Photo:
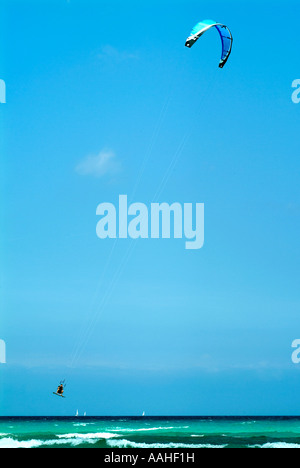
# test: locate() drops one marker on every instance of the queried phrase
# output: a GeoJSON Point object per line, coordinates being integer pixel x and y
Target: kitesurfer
{"type": "Point", "coordinates": [60, 389]}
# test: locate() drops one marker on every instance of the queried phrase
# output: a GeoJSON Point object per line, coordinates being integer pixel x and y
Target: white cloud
{"type": "Point", "coordinates": [111, 52]}
{"type": "Point", "coordinates": [104, 163]}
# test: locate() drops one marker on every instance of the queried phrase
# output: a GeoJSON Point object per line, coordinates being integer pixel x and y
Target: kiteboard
{"type": "Point", "coordinates": [58, 394]}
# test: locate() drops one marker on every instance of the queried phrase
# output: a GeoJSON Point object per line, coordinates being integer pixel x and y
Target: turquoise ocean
{"type": "Point", "coordinates": [150, 432]}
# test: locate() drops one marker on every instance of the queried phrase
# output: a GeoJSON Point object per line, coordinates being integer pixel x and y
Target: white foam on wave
{"type": "Point", "coordinates": [84, 424]}
{"type": "Point", "coordinates": [142, 429]}
{"type": "Point", "coordinates": [9, 443]}
{"type": "Point", "coordinates": [277, 445]}
{"type": "Point", "coordinates": [27, 444]}
{"type": "Point", "coordinates": [91, 435]}
{"type": "Point", "coordinates": [69, 439]}
{"type": "Point", "coordinates": [123, 443]}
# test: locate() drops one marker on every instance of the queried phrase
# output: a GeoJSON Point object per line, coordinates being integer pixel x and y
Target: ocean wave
{"type": "Point", "coordinates": [149, 429]}
{"type": "Point", "coordinates": [91, 435]}
{"type": "Point", "coordinates": [277, 445]}
{"type": "Point", "coordinates": [123, 443]}
{"type": "Point", "coordinates": [9, 443]}
{"type": "Point", "coordinates": [65, 439]}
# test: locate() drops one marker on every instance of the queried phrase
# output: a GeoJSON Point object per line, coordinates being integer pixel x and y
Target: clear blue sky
{"type": "Point", "coordinates": [149, 326]}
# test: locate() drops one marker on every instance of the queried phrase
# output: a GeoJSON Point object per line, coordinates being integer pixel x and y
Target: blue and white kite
{"type": "Point", "coordinates": [225, 34]}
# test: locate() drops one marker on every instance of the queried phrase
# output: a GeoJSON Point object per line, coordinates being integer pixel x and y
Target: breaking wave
{"type": "Point", "coordinates": [149, 429]}
{"type": "Point", "coordinates": [277, 445]}
{"type": "Point", "coordinates": [123, 443]}
{"type": "Point", "coordinates": [66, 439]}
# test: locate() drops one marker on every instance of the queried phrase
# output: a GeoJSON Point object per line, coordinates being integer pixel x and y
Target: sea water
{"type": "Point", "coordinates": [147, 432]}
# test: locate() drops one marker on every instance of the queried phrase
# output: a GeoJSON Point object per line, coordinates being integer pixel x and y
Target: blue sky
{"type": "Point", "coordinates": [148, 325]}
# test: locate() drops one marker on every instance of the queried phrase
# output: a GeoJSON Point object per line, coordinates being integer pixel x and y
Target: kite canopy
{"type": "Point", "coordinates": [225, 34]}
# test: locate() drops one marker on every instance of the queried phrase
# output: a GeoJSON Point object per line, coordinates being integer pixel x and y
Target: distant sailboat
{"type": "Point", "coordinates": [143, 413]}
{"type": "Point", "coordinates": [77, 414]}
{"type": "Point", "coordinates": [84, 414]}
